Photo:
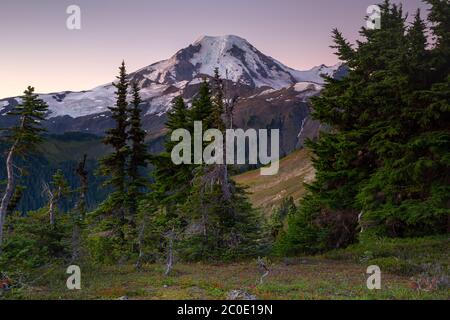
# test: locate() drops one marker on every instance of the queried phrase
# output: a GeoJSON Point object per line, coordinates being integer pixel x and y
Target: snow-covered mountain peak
{"type": "Point", "coordinates": [236, 59]}
{"type": "Point", "coordinates": [226, 39]}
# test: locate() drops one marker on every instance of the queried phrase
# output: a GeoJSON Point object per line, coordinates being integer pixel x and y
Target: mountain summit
{"type": "Point", "coordinates": [236, 59]}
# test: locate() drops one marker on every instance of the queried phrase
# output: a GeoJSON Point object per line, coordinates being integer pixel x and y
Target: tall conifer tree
{"type": "Point", "coordinates": [114, 165]}
{"type": "Point", "coordinates": [138, 153]}
{"type": "Point", "coordinates": [23, 138]}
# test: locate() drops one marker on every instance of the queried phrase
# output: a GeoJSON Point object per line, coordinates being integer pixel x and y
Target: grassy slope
{"type": "Point", "coordinates": [302, 278]}
{"type": "Point", "coordinates": [339, 274]}
{"type": "Point", "coordinates": [268, 191]}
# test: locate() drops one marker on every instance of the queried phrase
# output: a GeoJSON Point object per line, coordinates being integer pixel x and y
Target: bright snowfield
{"type": "Point", "coordinates": [235, 58]}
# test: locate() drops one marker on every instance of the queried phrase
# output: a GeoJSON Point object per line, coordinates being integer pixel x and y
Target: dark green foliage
{"type": "Point", "coordinates": [138, 154]}
{"type": "Point", "coordinates": [30, 112]}
{"type": "Point", "coordinates": [177, 118]}
{"type": "Point", "coordinates": [219, 228]}
{"type": "Point", "coordinates": [201, 106]}
{"type": "Point", "coordinates": [384, 161]}
{"type": "Point", "coordinates": [114, 165]}
{"type": "Point", "coordinates": [31, 242]}
{"type": "Point", "coordinates": [60, 187]}
{"type": "Point", "coordinates": [40, 167]}
{"type": "Point", "coordinates": [18, 193]}
{"type": "Point", "coordinates": [407, 256]}
{"type": "Point", "coordinates": [277, 221]}
{"type": "Point", "coordinates": [113, 224]}
{"type": "Point", "coordinates": [304, 234]}
{"type": "Point", "coordinates": [216, 118]}
{"type": "Point", "coordinates": [110, 217]}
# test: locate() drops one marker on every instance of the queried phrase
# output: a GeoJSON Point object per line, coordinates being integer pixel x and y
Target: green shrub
{"type": "Point", "coordinates": [32, 242]}
{"type": "Point", "coordinates": [401, 256]}
{"type": "Point", "coordinates": [395, 265]}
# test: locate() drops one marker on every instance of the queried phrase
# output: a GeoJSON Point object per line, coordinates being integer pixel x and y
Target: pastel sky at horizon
{"type": "Point", "coordinates": [37, 49]}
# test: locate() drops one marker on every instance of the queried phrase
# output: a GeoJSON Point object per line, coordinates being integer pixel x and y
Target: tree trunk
{"type": "Point", "coordinates": [169, 265]}
{"type": "Point", "coordinates": [51, 204]}
{"type": "Point", "coordinates": [80, 210]}
{"type": "Point", "coordinates": [140, 245]}
{"type": "Point", "coordinates": [9, 191]}
{"type": "Point", "coordinates": [76, 239]}
{"type": "Point", "coordinates": [448, 223]}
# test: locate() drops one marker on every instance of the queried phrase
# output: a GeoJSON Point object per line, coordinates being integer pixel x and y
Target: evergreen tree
{"type": "Point", "coordinates": [109, 220]}
{"type": "Point", "coordinates": [382, 167]}
{"type": "Point", "coordinates": [114, 165]}
{"type": "Point", "coordinates": [79, 212]}
{"type": "Point", "coordinates": [202, 107]}
{"type": "Point", "coordinates": [439, 16]}
{"type": "Point", "coordinates": [138, 153]}
{"type": "Point", "coordinates": [172, 181]}
{"type": "Point", "coordinates": [16, 198]}
{"type": "Point", "coordinates": [177, 117]}
{"type": "Point", "coordinates": [217, 115]}
{"type": "Point", "coordinates": [160, 210]}
{"type": "Point", "coordinates": [23, 139]}
{"type": "Point", "coordinates": [278, 218]}
{"type": "Point", "coordinates": [57, 191]}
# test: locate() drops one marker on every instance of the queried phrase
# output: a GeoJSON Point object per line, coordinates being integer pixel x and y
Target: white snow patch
{"type": "Point", "coordinates": [303, 86]}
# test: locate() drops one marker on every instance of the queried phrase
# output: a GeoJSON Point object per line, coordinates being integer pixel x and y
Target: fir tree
{"type": "Point", "coordinates": [217, 115]}
{"type": "Point", "coordinates": [202, 107]}
{"type": "Point", "coordinates": [138, 153]}
{"type": "Point", "coordinates": [177, 118]}
{"type": "Point", "coordinates": [79, 212]}
{"type": "Point", "coordinates": [172, 181]}
{"type": "Point", "coordinates": [439, 16]}
{"type": "Point", "coordinates": [23, 139]}
{"type": "Point", "coordinates": [114, 165]}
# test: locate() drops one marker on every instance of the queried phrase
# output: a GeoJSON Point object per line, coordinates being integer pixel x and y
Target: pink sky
{"type": "Point", "coordinates": [37, 49]}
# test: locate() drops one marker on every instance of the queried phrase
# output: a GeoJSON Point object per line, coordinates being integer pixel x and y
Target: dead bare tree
{"type": "Point", "coordinates": [219, 172]}
{"type": "Point", "coordinates": [171, 237]}
{"type": "Point", "coordinates": [51, 201]}
{"type": "Point", "coordinates": [138, 264]}
{"type": "Point", "coordinates": [263, 269]}
{"type": "Point", "coordinates": [10, 185]}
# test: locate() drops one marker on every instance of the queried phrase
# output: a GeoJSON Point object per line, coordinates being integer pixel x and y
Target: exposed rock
{"type": "Point", "coordinates": [240, 295]}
